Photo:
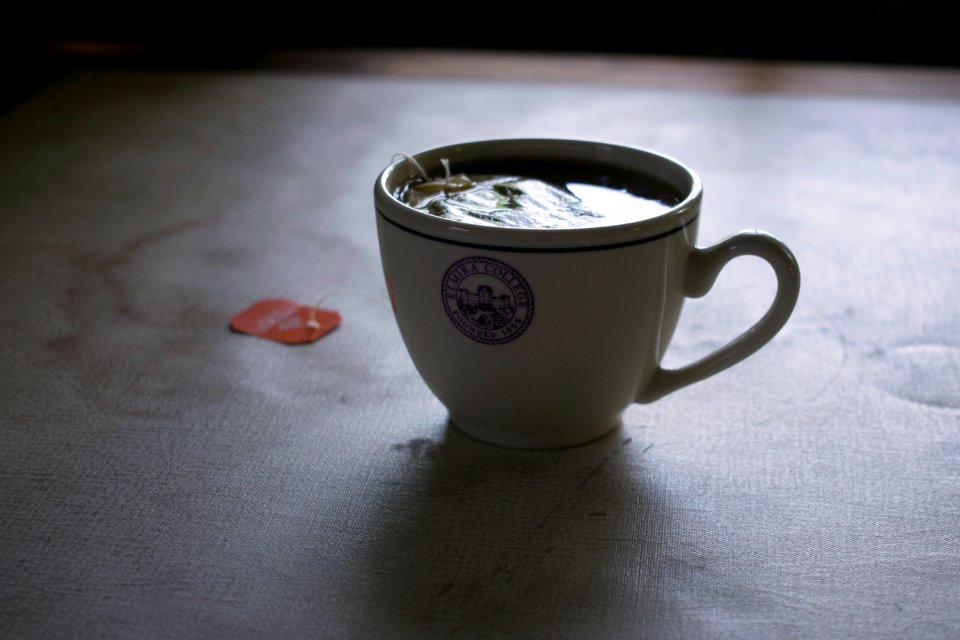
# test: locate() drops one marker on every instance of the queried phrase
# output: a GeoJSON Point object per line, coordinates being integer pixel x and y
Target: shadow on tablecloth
{"type": "Point", "coordinates": [479, 541]}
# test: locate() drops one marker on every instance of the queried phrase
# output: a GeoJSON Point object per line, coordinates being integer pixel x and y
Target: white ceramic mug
{"type": "Point", "coordinates": [587, 312]}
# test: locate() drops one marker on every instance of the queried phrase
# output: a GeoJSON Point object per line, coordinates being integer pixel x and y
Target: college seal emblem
{"type": "Point", "coordinates": [487, 300]}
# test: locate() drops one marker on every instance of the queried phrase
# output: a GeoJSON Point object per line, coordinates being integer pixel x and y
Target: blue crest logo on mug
{"type": "Point", "coordinates": [487, 300]}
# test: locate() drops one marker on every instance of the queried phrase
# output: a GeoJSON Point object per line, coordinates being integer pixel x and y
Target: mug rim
{"type": "Point", "coordinates": [634, 159]}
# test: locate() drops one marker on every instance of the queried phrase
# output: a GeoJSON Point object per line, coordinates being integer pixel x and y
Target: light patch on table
{"type": "Point", "coordinates": [928, 374]}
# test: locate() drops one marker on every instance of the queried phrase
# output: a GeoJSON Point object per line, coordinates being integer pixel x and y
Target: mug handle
{"type": "Point", "coordinates": [701, 271]}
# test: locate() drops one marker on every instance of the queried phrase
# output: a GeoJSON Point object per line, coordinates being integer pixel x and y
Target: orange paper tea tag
{"type": "Point", "coordinates": [285, 321]}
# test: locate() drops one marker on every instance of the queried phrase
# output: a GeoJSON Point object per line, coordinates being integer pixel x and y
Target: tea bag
{"type": "Point", "coordinates": [501, 201]}
{"type": "Point", "coordinates": [506, 201]}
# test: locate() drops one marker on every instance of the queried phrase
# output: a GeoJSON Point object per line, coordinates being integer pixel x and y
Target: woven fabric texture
{"type": "Point", "coordinates": [161, 477]}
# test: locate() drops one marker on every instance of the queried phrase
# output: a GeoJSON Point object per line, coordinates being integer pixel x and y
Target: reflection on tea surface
{"type": "Point", "coordinates": [531, 203]}
{"type": "Point", "coordinates": [541, 194]}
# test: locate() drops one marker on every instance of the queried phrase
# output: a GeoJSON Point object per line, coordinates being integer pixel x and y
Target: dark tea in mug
{"type": "Point", "coordinates": [541, 196]}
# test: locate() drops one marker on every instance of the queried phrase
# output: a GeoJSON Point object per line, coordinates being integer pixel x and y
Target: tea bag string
{"type": "Point", "coordinates": [312, 322]}
{"type": "Point", "coordinates": [397, 157]}
{"type": "Point", "coordinates": [448, 182]}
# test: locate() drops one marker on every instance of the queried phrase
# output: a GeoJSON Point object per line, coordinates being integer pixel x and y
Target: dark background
{"type": "Point", "coordinates": [39, 48]}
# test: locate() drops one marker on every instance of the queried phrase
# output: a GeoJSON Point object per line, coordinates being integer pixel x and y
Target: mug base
{"type": "Point", "coordinates": [540, 439]}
